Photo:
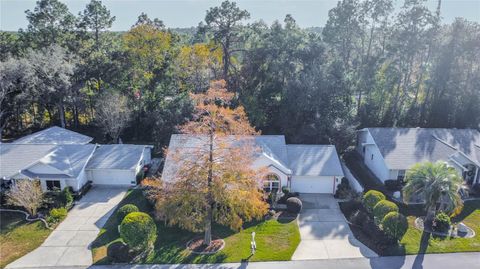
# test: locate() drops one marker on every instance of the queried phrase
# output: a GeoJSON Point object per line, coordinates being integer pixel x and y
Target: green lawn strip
{"type": "Point", "coordinates": [275, 240]}
{"type": "Point", "coordinates": [18, 237]}
{"type": "Point", "coordinates": [470, 216]}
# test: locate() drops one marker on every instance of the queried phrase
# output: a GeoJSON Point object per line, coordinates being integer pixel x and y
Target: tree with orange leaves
{"type": "Point", "coordinates": [213, 181]}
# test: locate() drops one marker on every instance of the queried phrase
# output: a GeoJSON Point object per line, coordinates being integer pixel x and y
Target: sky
{"type": "Point", "coordinates": [187, 13]}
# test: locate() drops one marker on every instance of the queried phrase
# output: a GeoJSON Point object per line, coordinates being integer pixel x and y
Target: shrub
{"type": "Point", "coordinates": [343, 189]}
{"type": "Point", "coordinates": [138, 230]}
{"type": "Point", "coordinates": [125, 210]}
{"type": "Point", "coordinates": [371, 198]}
{"type": "Point", "coordinates": [118, 252]}
{"type": "Point", "coordinates": [67, 196]}
{"type": "Point", "coordinates": [359, 217]}
{"type": "Point", "coordinates": [294, 205]}
{"type": "Point", "coordinates": [285, 190]}
{"type": "Point", "coordinates": [395, 225]}
{"type": "Point", "coordinates": [393, 185]}
{"type": "Point", "coordinates": [441, 223]}
{"type": "Point", "coordinates": [382, 208]}
{"type": "Point", "coordinates": [57, 214]}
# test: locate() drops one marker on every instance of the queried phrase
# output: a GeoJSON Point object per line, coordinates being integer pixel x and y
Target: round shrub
{"type": "Point", "coordinates": [382, 208]}
{"type": "Point", "coordinates": [441, 223]}
{"type": "Point", "coordinates": [125, 210]}
{"type": "Point", "coordinates": [395, 225]}
{"type": "Point", "coordinates": [138, 230]}
{"type": "Point", "coordinates": [118, 252]}
{"type": "Point", "coordinates": [371, 198]}
{"type": "Point", "coordinates": [294, 205]}
{"type": "Point", "coordinates": [57, 215]}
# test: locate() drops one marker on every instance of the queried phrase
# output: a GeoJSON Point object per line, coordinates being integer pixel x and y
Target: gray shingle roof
{"type": "Point", "coordinates": [54, 135]}
{"type": "Point", "coordinates": [403, 147]}
{"type": "Point", "coordinates": [314, 160]}
{"type": "Point", "coordinates": [116, 156]}
{"type": "Point", "coordinates": [70, 159]}
{"type": "Point", "coordinates": [14, 157]}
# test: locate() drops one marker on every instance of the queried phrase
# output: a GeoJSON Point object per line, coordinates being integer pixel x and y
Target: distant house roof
{"type": "Point", "coordinates": [271, 146]}
{"type": "Point", "coordinates": [116, 156]}
{"type": "Point", "coordinates": [403, 147]}
{"type": "Point", "coordinates": [15, 157]}
{"type": "Point", "coordinates": [69, 159]}
{"type": "Point", "coordinates": [54, 135]}
{"type": "Point", "coordinates": [314, 160]}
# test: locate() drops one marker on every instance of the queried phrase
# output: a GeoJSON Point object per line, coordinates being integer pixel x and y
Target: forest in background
{"type": "Point", "coordinates": [369, 66]}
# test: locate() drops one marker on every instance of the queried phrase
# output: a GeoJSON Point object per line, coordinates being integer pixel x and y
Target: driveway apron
{"type": "Point", "coordinates": [69, 243]}
{"type": "Point", "coordinates": [324, 232]}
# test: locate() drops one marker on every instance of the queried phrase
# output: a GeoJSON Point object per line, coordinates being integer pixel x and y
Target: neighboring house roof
{"type": "Point", "coordinates": [403, 147]}
{"type": "Point", "coordinates": [314, 160]}
{"type": "Point", "coordinates": [68, 159]}
{"type": "Point", "coordinates": [15, 157]}
{"type": "Point", "coordinates": [271, 146]}
{"type": "Point", "coordinates": [116, 156]}
{"type": "Point", "coordinates": [54, 135]}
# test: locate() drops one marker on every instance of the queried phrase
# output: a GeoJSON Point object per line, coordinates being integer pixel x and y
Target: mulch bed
{"type": "Point", "coordinates": [196, 246]}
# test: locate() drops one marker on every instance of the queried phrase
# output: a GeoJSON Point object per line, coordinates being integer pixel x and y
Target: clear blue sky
{"type": "Point", "coordinates": [186, 13]}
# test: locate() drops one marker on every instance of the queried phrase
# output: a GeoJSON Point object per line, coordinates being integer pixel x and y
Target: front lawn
{"type": "Point", "coordinates": [415, 242]}
{"type": "Point", "coordinates": [18, 237]}
{"type": "Point", "coordinates": [276, 240]}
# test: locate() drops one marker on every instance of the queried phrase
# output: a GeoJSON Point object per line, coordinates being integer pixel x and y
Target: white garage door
{"type": "Point", "coordinates": [312, 184]}
{"type": "Point", "coordinates": [112, 177]}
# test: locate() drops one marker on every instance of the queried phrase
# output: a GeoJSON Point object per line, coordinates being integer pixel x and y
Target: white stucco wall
{"type": "Point", "coordinates": [377, 163]}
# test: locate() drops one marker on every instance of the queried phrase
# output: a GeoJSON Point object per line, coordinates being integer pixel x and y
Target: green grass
{"type": "Point", "coordinates": [413, 243]}
{"type": "Point", "coordinates": [276, 240]}
{"type": "Point", "coordinates": [18, 237]}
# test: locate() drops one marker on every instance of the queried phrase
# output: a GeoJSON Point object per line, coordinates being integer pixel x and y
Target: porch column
{"type": "Point", "coordinates": [476, 179]}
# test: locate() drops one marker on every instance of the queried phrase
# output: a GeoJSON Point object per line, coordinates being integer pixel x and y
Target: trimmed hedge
{"type": "Point", "coordinates": [56, 215]}
{"type": "Point", "coordinates": [395, 225]}
{"type": "Point", "coordinates": [294, 205]}
{"type": "Point", "coordinates": [125, 210]}
{"type": "Point", "coordinates": [371, 198]}
{"type": "Point", "coordinates": [382, 208]}
{"type": "Point", "coordinates": [138, 230]}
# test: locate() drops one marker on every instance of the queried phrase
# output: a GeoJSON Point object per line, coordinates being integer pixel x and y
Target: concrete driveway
{"type": "Point", "coordinates": [324, 232]}
{"type": "Point", "coordinates": [68, 244]}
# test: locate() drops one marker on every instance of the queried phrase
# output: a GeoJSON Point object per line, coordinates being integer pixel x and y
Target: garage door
{"type": "Point", "coordinates": [112, 177]}
{"type": "Point", "coordinates": [313, 184]}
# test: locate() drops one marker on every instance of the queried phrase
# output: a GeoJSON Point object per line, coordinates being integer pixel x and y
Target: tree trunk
{"type": "Point", "coordinates": [208, 221]}
{"type": "Point", "coordinates": [61, 112]}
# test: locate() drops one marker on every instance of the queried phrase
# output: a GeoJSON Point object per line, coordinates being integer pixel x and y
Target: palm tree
{"type": "Point", "coordinates": [437, 184]}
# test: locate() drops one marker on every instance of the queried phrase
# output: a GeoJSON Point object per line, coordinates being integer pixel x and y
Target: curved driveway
{"type": "Point", "coordinates": [68, 245]}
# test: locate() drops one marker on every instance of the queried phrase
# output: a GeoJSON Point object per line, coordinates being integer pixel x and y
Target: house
{"type": "Point", "coordinates": [62, 158]}
{"type": "Point", "coordinates": [390, 152]}
{"type": "Point", "coordinates": [302, 168]}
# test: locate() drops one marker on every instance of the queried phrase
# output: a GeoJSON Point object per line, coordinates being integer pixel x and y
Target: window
{"type": "Point", "coordinates": [363, 149]}
{"type": "Point", "coordinates": [401, 175]}
{"type": "Point", "coordinates": [371, 158]}
{"type": "Point", "coordinates": [271, 183]}
{"type": "Point", "coordinates": [53, 185]}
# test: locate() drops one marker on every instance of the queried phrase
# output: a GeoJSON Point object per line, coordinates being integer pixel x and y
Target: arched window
{"type": "Point", "coordinates": [271, 183]}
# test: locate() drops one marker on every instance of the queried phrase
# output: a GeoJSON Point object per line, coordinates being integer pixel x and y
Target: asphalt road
{"type": "Point", "coordinates": [434, 261]}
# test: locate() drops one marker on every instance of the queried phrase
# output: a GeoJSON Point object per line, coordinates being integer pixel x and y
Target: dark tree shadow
{"type": "Point", "coordinates": [418, 263]}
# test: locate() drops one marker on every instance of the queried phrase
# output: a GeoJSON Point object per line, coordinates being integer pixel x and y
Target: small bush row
{"type": "Point", "coordinates": [386, 216]}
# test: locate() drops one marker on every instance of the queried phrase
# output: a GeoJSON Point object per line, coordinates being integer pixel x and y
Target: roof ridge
{"type": "Point", "coordinates": [444, 142]}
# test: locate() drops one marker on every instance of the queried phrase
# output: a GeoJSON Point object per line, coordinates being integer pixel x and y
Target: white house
{"type": "Point", "coordinates": [62, 158]}
{"type": "Point", "coordinates": [390, 152]}
{"type": "Point", "coordinates": [303, 168]}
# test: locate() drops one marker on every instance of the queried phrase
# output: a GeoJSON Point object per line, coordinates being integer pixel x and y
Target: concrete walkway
{"type": "Point", "coordinates": [68, 244]}
{"type": "Point", "coordinates": [324, 231]}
